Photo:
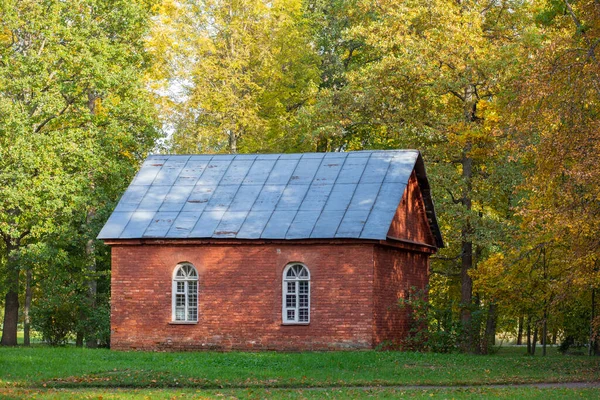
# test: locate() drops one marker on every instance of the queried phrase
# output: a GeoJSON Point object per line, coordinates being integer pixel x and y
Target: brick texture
{"type": "Point", "coordinates": [396, 272]}
{"type": "Point", "coordinates": [410, 221]}
{"type": "Point", "coordinates": [240, 291]}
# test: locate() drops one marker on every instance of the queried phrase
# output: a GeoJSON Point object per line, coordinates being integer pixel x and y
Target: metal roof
{"type": "Point", "coordinates": [267, 196]}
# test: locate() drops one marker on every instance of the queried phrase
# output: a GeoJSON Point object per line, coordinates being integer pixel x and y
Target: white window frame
{"type": "Point", "coordinates": [187, 280]}
{"type": "Point", "coordinates": [295, 281]}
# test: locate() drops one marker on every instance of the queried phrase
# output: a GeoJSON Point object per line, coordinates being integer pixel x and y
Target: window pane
{"type": "Point", "coordinates": [180, 314]}
{"type": "Point", "coordinates": [303, 273]}
{"type": "Point", "coordinates": [303, 300]}
{"type": "Point", "coordinates": [303, 315]}
{"type": "Point", "coordinates": [192, 314]}
{"type": "Point", "coordinates": [291, 287]}
{"type": "Point", "coordinates": [291, 273]}
{"type": "Point", "coordinates": [303, 287]}
{"type": "Point", "coordinates": [290, 300]}
{"type": "Point", "coordinates": [291, 315]}
{"type": "Point", "coordinates": [180, 287]}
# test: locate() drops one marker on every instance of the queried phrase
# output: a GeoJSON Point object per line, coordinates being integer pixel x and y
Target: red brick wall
{"type": "Point", "coordinates": [396, 271]}
{"type": "Point", "coordinates": [410, 221]}
{"type": "Point", "coordinates": [240, 296]}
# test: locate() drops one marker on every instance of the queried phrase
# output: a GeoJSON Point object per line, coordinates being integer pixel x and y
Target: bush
{"type": "Point", "coordinates": [431, 329]}
{"type": "Point", "coordinates": [55, 318]}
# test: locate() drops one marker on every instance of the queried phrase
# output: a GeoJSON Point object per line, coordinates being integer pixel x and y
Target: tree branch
{"type": "Point", "coordinates": [50, 118]}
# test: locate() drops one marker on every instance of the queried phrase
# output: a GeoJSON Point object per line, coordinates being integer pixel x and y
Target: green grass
{"type": "Point", "coordinates": [344, 393]}
{"type": "Point", "coordinates": [40, 367]}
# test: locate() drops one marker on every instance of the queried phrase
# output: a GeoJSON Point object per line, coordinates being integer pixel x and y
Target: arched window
{"type": "Point", "coordinates": [296, 294]}
{"type": "Point", "coordinates": [185, 293]}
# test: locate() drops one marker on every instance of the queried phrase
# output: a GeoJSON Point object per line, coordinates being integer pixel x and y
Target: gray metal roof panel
{"type": "Point", "coordinates": [230, 226]}
{"type": "Point", "coordinates": [154, 197]}
{"type": "Point", "coordinates": [237, 171]}
{"type": "Point", "coordinates": [302, 225]}
{"type": "Point", "coordinates": [375, 170]}
{"type": "Point", "coordinates": [316, 197]}
{"type": "Point", "coordinates": [160, 224]}
{"type": "Point", "coordinates": [327, 224]}
{"type": "Point", "coordinates": [271, 196]}
{"type": "Point", "coordinates": [268, 198]}
{"type": "Point", "coordinates": [389, 196]}
{"type": "Point", "coordinates": [254, 224]}
{"type": "Point", "coordinates": [340, 197]}
{"type": "Point", "coordinates": [191, 172]}
{"type": "Point", "coordinates": [352, 224]}
{"type": "Point", "coordinates": [364, 197]}
{"type": "Point", "coordinates": [170, 171]}
{"type": "Point", "coordinates": [137, 224]}
{"type": "Point", "coordinates": [213, 172]}
{"type": "Point", "coordinates": [183, 225]}
{"type": "Point", "coordinates": [207, 224]}
{"type": "Point", "coordinates": [245, 197]}
{"type": "Point", "coordinates": [292, 197]}
{"type": "Point", "coordinates": [150, 168]}
{"type": "Point", "coordinates": [199, 198]}
{"type": "Point", "coordinates": [176, 198]}
{"type": "Point", "coordinates": [401, 166]}
{"type": "Point", "coordinates": [116, 223]}
{"type": "Point", "coordinates": [132, 198]}
{"type": "Point", "coordinates": [278, 224]}
{"type": "Point", "coordinates": [352, 170]}
{"type": "Point", "coordinates": [282, 171]}
{"type": "Point", "coordinates": [305, 172]}
{"type": "Point", "coordinates": [259, 172]}
{"type": "Point", "coordinates": [222, 198]}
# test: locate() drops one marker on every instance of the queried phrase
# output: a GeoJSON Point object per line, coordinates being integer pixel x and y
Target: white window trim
{"type": "Point", "coordinates": [174, 293]}
{"type": "Point", "coordinates": [284, 288]}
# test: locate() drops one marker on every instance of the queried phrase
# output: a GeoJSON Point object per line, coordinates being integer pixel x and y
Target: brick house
{"type": "Point", "coordinates": [276, 251]}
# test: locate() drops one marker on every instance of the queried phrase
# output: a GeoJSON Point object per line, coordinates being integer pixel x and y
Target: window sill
{"type": "Point", "coordinates": [295, 323]}
{"type": "Point", "coordinates": [183, 323]}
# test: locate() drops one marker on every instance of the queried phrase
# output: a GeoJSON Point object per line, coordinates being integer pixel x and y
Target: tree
{"type": "Point", "coordinates": [557, 116]}
{"type": "Point", "coordinates": [432, 76]}
{"type": "Point", "coordinates": [244, 69]}
{"type": "Point", "coordinates": [74, 119]}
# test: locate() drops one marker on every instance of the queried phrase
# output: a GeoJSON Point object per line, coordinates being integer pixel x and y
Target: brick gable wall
{"type": "Point", "coordinates": [410, 220]}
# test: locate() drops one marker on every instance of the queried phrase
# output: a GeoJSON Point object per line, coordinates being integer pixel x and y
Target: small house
{"type": "Point", "coordinates": [271, 251]}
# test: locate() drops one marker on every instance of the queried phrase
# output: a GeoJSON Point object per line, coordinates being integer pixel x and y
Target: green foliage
{"type": "Point", "coordinates": [431, 328]}
{"type": "Point", "coordinates": [56, 317]}
{"type": "Point", "coordinates": [96, 325]}
{"type": "Point", "coordinates": [244, 69]}
{"type": "Point", "coordinates": [75, 121]}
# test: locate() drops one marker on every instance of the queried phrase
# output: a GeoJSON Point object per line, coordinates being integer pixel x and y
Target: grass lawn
{"type": "Point", "coordinates": [345, 393]}
{"type": "Point", "coordinates": [40, 367]}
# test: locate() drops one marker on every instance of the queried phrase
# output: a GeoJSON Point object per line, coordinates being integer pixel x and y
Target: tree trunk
{"type": "Point", "coordinates": [534, 342]}
{"type": "Point", "coordinates": [520, 331]}
{"type": "Point", "coordinates": [466, 283]}
{"type": "Point", "coordinates": [529, 335]}
{"type": "Point", "coordinates": [544, 333]}
{"type": "Point", "coordinates": [92, 340]}
{"type": "Point", "coordinates": [232, 142]}
{"type": "Point", "coordinates": [490, 328]}
{"type": "Point", "coordinates": [592, 348]}
{"type": "Point", "coordinates": [26, 308]}
{"type": "Point", "coordinates": [11, 301]}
